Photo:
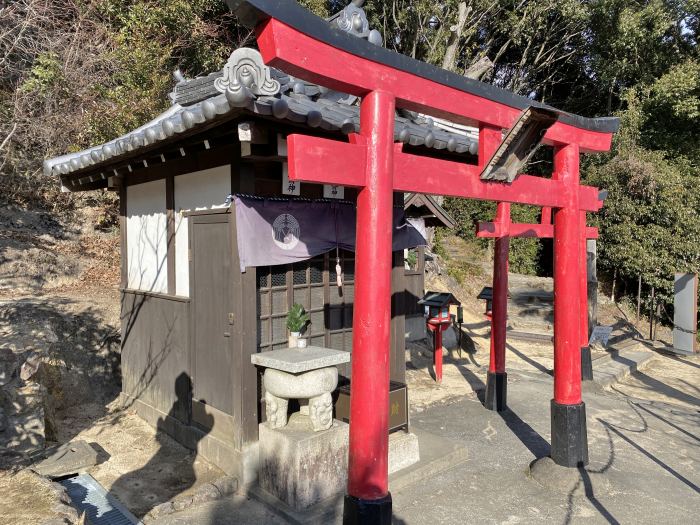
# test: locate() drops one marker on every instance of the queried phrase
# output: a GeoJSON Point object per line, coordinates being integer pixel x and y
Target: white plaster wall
{"type": "Point", "coordinates": [146, 237]}
{"type": "Point", "coordinates": [201, 190]}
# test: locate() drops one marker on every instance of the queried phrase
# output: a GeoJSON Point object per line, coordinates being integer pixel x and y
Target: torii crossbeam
{"type": "Point", "coordinates": [303, 45]}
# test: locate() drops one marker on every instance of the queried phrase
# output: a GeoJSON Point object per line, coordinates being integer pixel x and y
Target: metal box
{"type": "Point", "coordinates": [398, 405]}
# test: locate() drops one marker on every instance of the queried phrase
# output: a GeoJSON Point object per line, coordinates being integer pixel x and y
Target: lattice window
{"type": "Point", "coordinates": [312, 284]}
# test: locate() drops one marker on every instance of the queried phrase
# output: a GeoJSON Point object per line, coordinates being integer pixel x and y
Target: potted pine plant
{"type": "Point", "coordinates": [297, 319]}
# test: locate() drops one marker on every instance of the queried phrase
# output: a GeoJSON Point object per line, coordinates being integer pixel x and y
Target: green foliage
{"type": "Point", "coordinates": [438, 246]}
{"type": "Point", "coordinates": [44, 74]}
{"type": "Point", "coordinates": [153, 38]}
{"type": "Point", "coordinates": [412, 258]}
{"type": "Point", "coordinates": [649, 225]}
{"type": "Point", "coordinates": [461, 270]}
{"type": "Point", "coordinates": [297, 318]}
{"type": "Point", "coordinates": [524, 253]}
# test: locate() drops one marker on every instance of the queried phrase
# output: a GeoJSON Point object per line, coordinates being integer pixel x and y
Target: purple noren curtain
{"type": "Point", "coordinates": [278, 231]}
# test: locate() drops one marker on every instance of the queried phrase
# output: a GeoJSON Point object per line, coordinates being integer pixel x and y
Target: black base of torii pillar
{"type": "Point", "coordinates": [357, 511]}
{"type": "Point", "coordinates": [569, 434]}
{"type": "Point", "coordinates": [496, 391]}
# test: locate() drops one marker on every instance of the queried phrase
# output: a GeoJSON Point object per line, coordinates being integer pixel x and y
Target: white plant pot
{"type": "Point", "coordinates": [301, 342]}
{"type": "Point", "coordinates": [293, 339]}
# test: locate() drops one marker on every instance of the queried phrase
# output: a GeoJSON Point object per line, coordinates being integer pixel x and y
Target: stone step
{"type": "Point", "coordinates": [534, 337]}
{"type": "Point", "coordinates": [619, 363]}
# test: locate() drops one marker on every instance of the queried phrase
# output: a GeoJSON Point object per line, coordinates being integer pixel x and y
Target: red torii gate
{"type": "Point", "coordinates": [303, 45]}
{"type": "Point", "coordinates": [502, 230]}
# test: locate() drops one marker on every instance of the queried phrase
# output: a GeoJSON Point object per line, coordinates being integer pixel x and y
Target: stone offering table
{"type": "Point", "coordinates": [300, 373]}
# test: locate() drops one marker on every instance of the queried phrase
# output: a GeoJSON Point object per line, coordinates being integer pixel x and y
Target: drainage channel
{"type": "Point", "coordinates": [100, 507]}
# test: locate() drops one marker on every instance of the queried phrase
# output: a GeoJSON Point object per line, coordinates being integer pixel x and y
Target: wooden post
{"type": "Point", "coordinates": [651, 316]}
{"type": "Point", "coordinates": [569, 437]}
{"type": "Point", "coordinates": [639, 296]}
{"type": "Point", "coordinates": [368, 499]}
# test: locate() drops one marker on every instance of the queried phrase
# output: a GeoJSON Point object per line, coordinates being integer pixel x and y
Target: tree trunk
{"type": "Point", "coordinates": [639, 296]}
{"type": "Point", "coordinates": [612, 289]}
{"type": "Point", "coordinates": [449, 61]}
{"type": "Point", "coordinates": [479, 68]}
{"type": "Point", "coordinates": [651, 315]}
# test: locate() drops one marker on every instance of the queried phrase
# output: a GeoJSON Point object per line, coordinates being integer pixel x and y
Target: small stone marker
{"type": "Point", "coordinates": [600, 334]}
{"type": "Point", "coordinates": [685, 313]}
{"type": "Point", "coordinates": [70, 458]}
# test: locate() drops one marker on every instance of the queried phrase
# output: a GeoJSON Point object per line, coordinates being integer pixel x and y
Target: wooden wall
{"type": "Point", "coordinates": [155, 352]}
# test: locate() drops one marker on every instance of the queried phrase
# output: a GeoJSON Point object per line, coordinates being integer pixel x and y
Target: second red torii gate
{"type": "Point", "coordinates": [502, 230]}
{"type": "Point", "coordinates": [305, 46]}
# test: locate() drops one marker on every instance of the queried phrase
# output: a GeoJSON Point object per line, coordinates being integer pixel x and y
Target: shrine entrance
{"type": "Point", "coordinates": [374, 161]}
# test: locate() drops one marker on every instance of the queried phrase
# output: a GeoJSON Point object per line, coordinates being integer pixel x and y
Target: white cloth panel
{"type": "Point", "coordinates": [200, 190]}
{"type": "Point", "coordinates": [146, 237]}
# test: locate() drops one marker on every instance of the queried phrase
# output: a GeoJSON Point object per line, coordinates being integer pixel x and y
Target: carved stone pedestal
{"type": "Point", "coordinates": [315, 386]}
{"type": "Point", "coordinates": [307, 374]}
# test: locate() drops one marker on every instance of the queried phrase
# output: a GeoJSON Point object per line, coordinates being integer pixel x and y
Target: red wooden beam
{"type": "Point", "coordinates": [300, 55]}
{"type": "Point", "coordinates": [343, 164]}
{"type": "Point", "coordinates": [491, 230]}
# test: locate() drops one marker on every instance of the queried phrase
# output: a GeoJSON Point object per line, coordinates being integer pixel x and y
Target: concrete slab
{"type": "Point", "coordinates": [404, 451]}
{"type": "Point", "coordinates": [440, 454]}
{"type": "Point", "coordinates": [71, 458]}
{"type": "Point", "coordinates": [437, 455]}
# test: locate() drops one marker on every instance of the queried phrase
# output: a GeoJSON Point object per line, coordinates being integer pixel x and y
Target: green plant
{"type": "Point", "coordinates": [412, 259]}
{"type": "Point", "coordinates": [461, 270]}
{"type": "Point", "coordinates": [297, 318]}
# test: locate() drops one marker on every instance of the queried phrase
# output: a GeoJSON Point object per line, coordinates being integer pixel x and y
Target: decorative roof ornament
{"type": "Point", "coordinates": [352, 19]}
{"type": "Point", "coordinates": [244, 76]}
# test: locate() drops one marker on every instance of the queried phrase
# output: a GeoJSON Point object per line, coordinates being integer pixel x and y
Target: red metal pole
{"type": "Point", "coordinates": [437, 355]}
{"type": "Point", "coordinates": [368, 498]}
{"type": "Point", "coordinates": [569, 443]}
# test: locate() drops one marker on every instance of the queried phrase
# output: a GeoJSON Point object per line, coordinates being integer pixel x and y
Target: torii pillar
{"type": "Point", "coordinates": [368, 498]}
{"type": "Point", "coordinates": [502, 230]}
{"type": "Point", "coordinates": [497, 378]}
{"type": "Point", "coordinates": [568, 411]}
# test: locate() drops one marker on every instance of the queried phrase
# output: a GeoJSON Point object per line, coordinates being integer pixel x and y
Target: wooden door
{"type": "Point", "coordinates": [212, 321]}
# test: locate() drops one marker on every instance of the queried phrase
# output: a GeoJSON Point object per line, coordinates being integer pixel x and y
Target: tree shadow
{"type": "Point", "coordinates": [656, 385]}
{"type": "Point", "coordinates": [169, 471]}
{"type": "Point", "coordinates": [612, 431]}
{"type": "Point", "coordinates": [529, 360]}
{"type": "Point", "coordinates": [587, 482]}
{"type": "Point", "coordinates": [30, 254]}
{"type": "Point", "coordinates": [80, 366]}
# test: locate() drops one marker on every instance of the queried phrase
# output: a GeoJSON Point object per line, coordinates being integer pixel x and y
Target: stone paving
{"type": "Point", "coordinates": [644, 445]}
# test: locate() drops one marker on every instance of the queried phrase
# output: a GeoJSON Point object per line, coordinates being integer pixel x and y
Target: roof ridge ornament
{"type": "Point", "coordinates": [353, 20]}
{"type": "Point", "coordinates": [245, 75]}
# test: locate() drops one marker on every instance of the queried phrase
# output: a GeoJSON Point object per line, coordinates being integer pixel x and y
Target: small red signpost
{"type": "Point", "coordinates": [305, 46]}
{"type": "Point", "coordinates": [438, 319]}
